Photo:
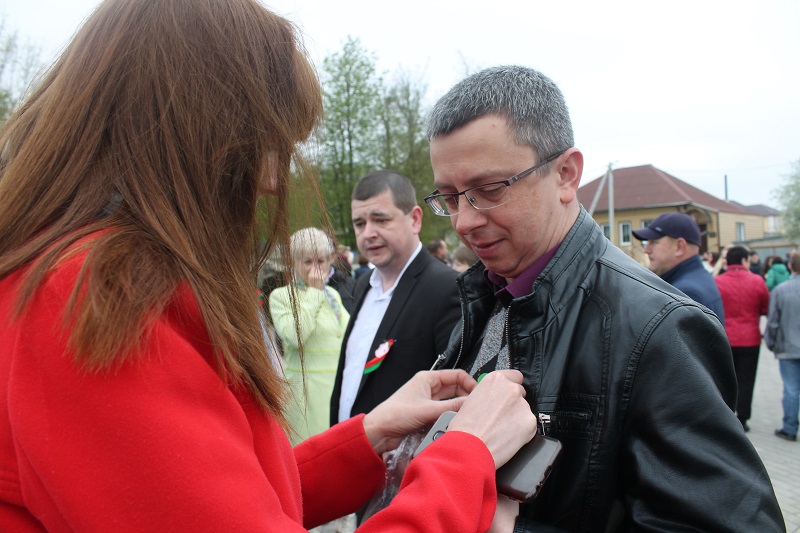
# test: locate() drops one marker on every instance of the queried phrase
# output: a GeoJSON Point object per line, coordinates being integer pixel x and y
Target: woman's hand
{"type": "Point", "coordinates": [496, 412]}
{"type": "Point", "coordinates": [316, 277]}
{"type": "Point", "coordinates": [313, 268]}
{"type": "Point", "coordinates": [416, 404]}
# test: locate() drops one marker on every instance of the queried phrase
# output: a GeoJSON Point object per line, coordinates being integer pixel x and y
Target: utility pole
{"type": "Point", "coordinates": [610, 177]}
{"type": "Point", "coordinates": [597, 194]}
{"type": "Point", "coordinates": [607, 177]}
{"type": "Point", "coordinates": [726, 187]}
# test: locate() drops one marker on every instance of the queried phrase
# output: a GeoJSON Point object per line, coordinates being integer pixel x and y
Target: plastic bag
{"type": "Point", "coordinates": [396, 463]}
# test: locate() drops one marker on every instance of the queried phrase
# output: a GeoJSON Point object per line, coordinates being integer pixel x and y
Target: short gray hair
{"type": "Point", "coordinates": [531, 103]}
{"type": "Point", "coordinates": [311, 241]}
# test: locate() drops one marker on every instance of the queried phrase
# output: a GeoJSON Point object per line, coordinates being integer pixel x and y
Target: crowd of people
{"type": "Point", "coordinates": [144, 388]}
{"type": "Point", "coordinates": [736, 286]}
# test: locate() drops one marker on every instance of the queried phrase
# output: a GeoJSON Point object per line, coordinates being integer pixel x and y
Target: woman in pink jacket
{"type": "Point", "coordinates": [136, 387]}
{"type": "Point", "coordinates": [745, 298]}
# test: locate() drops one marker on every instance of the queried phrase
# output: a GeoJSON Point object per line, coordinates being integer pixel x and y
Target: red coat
{"type": "Point", "coordinates": [162, 444]}
{"type": "Point", "coordinates": [745, 298]}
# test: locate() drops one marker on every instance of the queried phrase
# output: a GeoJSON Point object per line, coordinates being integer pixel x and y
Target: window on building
{"type": "Point", "coordinates": [624, 233]}
{"type": "Point", "coordinates": [646, 222]}
{"type": "Point", "coordinates": [740, 231]}
{"type": "Point", "coordinates": [607, 231]}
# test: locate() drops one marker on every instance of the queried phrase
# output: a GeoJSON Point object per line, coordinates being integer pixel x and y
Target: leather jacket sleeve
{"type": "Point", "coordinates": [680, 465]}
{"type": "Point", "coordinates": [716, 481]}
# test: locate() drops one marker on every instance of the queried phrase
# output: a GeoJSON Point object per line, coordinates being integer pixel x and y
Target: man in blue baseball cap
{"type": "Point", "coordinates": [672, 242]}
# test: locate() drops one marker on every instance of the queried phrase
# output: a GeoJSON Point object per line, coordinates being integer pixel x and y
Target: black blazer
{"type": "Point", "coordinates": [424, 309]}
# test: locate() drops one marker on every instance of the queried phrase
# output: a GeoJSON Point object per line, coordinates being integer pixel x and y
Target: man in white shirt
{"type": "Point", "coordinates": [404, 310]}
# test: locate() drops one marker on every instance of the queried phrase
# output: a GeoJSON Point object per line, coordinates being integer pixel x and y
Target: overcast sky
{"type": "Point", "coordinates": [700, 89]}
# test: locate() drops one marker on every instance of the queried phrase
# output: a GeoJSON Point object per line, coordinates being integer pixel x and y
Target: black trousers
{"type": "Point", "coordinates": [745, 362]}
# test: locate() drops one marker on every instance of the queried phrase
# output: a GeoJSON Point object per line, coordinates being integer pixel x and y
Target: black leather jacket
{"type": "Point", "coordinates": [639, 383]}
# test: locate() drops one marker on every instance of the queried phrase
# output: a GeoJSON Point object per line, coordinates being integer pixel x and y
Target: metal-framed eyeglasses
{"type": "Point", "coordinates": [486, 196]}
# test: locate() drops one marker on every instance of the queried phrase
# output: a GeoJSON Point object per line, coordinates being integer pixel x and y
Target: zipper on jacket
{"type": "Point", "coordinates": [439, 360]}
{"type": "Point", "coordinates": [574, 414]}
{"type": "Point", "coordinates": [441, 357]}
{"type": "Point", "coordinates": [544, 423]}
{"type": "Point", "coordinates": [507, 311]}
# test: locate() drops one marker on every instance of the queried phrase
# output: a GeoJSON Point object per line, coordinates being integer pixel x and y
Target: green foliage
{"type": "Point", "coordinates": [18, 65]}
{"type": "Point", "coordinates": [347, 136]}
{"type": "Point", "coordinates": [404, 146]}
{"type": "Point", "coordinates": [370, 124]}
{"type": "Point", "coordinates": [788, 195]}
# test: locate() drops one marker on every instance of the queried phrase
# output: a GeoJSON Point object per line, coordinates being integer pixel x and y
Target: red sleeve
{"type": "Point", "coordinates": [158, 443]}
{"type": "Point", "coordinates": [450, 486]}
{"type": "Point", "coordinates": [339, 472]}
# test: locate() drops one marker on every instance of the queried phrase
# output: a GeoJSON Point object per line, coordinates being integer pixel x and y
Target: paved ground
{"type": "Point", "coordinates": [781, 458]}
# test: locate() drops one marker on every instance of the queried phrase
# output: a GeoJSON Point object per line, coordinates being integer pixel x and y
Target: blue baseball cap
{"type": "Point", "coordinates": [675, 225]}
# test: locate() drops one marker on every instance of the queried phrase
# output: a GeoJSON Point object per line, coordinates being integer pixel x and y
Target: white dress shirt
{"type": "Point", "coordinates": [369, 318]}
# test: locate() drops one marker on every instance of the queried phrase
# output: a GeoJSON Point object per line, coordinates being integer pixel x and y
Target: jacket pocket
{"type": "Point", "coordinates": [572, 416]}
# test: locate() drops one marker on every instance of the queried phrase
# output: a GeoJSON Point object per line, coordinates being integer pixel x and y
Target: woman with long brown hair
{"type": "Point", "coordinates": [137, 388]}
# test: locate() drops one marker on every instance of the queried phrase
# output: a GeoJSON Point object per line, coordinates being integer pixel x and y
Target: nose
{"type": "Point", "coordinates": [369, 230]}
{"type": "Point", "coordinates": [468, 218]}
{"type": "Point", "coordinates": [366, 235]}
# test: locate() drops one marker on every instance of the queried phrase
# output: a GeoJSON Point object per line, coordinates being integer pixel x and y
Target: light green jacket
{"type": "Point", "coordinates": [321, 332]}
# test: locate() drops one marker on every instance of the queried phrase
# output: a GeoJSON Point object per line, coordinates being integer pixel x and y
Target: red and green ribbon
{"type": "Point", "coordinates": [380, 354]}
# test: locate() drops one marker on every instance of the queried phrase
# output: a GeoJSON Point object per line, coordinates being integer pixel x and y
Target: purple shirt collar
{"type": "Point", "coordinates": [522, 284]}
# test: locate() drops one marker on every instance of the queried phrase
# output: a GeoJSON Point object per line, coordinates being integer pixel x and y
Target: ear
{"type": "Point", "coordinates": [416, 219]}
{"type": "Point", "coordinates": [681, 247]}
{"type": "Point", "coordinates": [570, 170]}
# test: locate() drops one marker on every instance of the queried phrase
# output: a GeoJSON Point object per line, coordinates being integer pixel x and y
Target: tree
{"type": "Point", "coordinates": [404, 145]}
{"type": "Point", "coordinates": [788, 196]}
{"type": "Point", "coordinates": [351, 91]}
{"type": "Point", "coordinates": [18, 65]}
{"type": "Point", "coordinates": [370, 124]}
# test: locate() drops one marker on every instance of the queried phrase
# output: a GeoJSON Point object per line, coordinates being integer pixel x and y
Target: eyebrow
{"type": "Point", "coordinates": [373, 214]}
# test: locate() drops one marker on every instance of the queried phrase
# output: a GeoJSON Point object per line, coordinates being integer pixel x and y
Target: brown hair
{"type": "Point", "coordinates": [160, 125]}
{"type": "Point", "coordinates": [794, 262]}
{"type": "Point", "coordinates": [403, 194]}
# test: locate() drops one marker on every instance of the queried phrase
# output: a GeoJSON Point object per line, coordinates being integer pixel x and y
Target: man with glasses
{"type": "Point", "coordinates": [633, 378]}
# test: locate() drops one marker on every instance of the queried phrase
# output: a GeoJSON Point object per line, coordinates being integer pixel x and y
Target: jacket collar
{"type": "Point", "coordinates": [682, 268]}
{"type": "Point", "coordinates": [560, 277]}
{"type": "Point", "coordinates": [737, 268]}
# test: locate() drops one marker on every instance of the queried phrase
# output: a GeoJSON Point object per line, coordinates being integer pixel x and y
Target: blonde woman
{"type": "Point", "coordinates": [319, 329]}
